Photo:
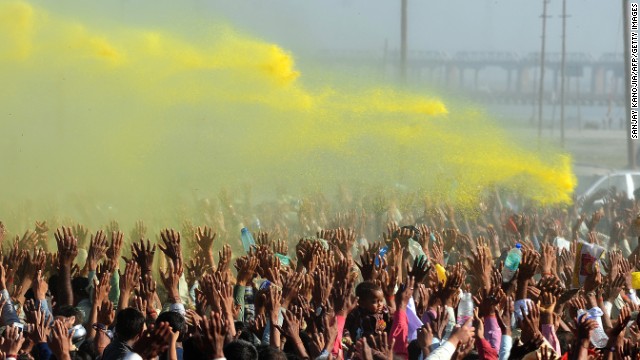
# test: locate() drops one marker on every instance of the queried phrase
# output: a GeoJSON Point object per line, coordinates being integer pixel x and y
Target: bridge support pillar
{"type": "Point", "coordinates": [523, 79]}
{"type": "Point", "coordinates": [475, 79]}
{"type": "Point", "coordinates": [452, 75]}
{"type": "Point", "coordinates": [598, 80]}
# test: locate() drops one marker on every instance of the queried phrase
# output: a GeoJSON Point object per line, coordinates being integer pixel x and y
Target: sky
{"type": "Point", "coordinates": [307, 27]}
{"type": "Point", "coordinates": [452, 25]}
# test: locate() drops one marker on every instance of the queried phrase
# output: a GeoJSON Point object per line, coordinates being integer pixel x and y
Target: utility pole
{"type": "Point", "coordinates": [562, 69]}
{"type": "Point", "coordinates": [403, 42]}
{"type": "Point", "coordinates": [631, 154]}
{"type": "Point", "coordinates": [541, 85]}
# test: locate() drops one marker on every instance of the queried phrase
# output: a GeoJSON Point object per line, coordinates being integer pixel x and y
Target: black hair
{"type": "Point", "coordinates": [79, 286]}
{"type": "Point", "coordinates": [366, 288]}
{"type": "Point", "coordinates": [129, 324]}
{"type": "Point", "coordinates": [246, 334]}
{"type": "Point", "coordinates": [69, 311]}
{"type": "Point", "coordinates": [191, 350]}
{"type": "Point", "coordinates": [53, 285]}
{"type": "Point", "coordinates": [175, 320]}
{"type": "Point", "coordinates": [241, 350]}
{"type": "Point", "coordinates": [266, 352]}
{"type": "Point", "coordinates": [292, 356]}
{"type": "Point", "coordinates": [414, 350]}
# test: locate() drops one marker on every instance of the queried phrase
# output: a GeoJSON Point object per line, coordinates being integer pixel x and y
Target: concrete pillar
{"type": "Point", "coordinates": [523, 79]}
{"type": "Point", "coordinates": [598, 80]}
{"type": "Point", "coordinates": [475, 79]}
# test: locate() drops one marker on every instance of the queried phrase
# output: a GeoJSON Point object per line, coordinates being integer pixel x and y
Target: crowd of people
{"type": "Point", "coordinates": [433, 285]}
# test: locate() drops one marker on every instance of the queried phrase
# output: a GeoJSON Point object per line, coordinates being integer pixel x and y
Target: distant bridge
{"type": "Point", "coordinates": [508, 76]}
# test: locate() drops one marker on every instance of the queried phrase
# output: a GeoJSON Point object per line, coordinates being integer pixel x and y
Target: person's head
{"type": "Point", "coordinates": [69, 315]}
{"type": "Point", "coordinates": [175, 320]}
{"type": "Point", "coordinates": [79, 286]}
{"type": "Point", "coordinates": [244, 333]}
{"type": "Point", "coordinates": [241, 350]}
{"type": "Point", "coordinates": [370, 297]}
{"type": "Point", "coordinates": [53, 285]}
{"type": "Point", "coordinates": [191, 349]}
{"type": "Point", "coordinates": [270, 353]}
{"type": "Point", "coordinates": [129, 324]}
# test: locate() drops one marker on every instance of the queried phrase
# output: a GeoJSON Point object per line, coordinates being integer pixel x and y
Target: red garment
{"type": "Point", "coordinates": [485, 351]}
{"type": "Point", "coordinates": [400, 333]}
{"type": "Point", "coordinates": [337, 345]}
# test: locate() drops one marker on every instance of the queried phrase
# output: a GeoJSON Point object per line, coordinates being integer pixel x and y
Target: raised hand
{"type": "Point", "coordinates": [548, 260]}
{"type": "Point", "coordinates": [41, 229]}
{"type": "Point", "coordinates": [139, 231]}
{"type": "Point", "coordinates": [153, 342]}
{"type": "Point", "coordinates": [3, 232]}
{"type": "Point", "coordinates": [128, 281]}
{"type": "Point", "coordinates": [106, 314]}
{"type": "Point", "coordinates": [246, 267]}
{"type": "Point", "coordinates": [343, 299]}
{"type": "Point", "coordinates": [41, 326]}
{"type": "Point", "coordinates": [281, 247]}
{"type": "Point", "coordinates": [481, 264]}
{"type": "Point", "coordinates": [97, 248]}
{"type": "Point", "coordinates": [171, 278]}
{"type": "Point", "coordinates": [291, 325]}
{"type": "Point", "coordinates": [29, 239]}
{"type": "Point", "coordinates": [290, 287]}
{"type": "Point", "coordinates": [143, 255]}
{"type": "Point", "coordinates": [115, 248]}
{"type": "Point", "coordinates": [14, 261]}
{"type": "Point", "coordinates": [171, 248]}
{"type": "Point", "coordinates": [437, 250]}
{"type": "Point", "coordinates": [381, 345]}
{"type": "Point", "coordinates": [344, 239]}
{"type": "Point", "coordinates": [530, 324]}
{"type": "Point", "coordinates": [13, 339]}
{"type": "Point", "coordinates": [215, 329]}
{"type": "Point", "coordinates": [60, 341]}
{"type": "Point", "coordinates": [112, 226]}
{"type": "Point", "coordinates": [32, 264]}
{"type": "Point", "coordinates": [224, 258]}
{"type": "Point", "coordinates": [67, 246]}
{"type": "Point", "coordinates": [195, 268]}
{"type": "Point", "coordinates": [504, 320]}
{"type": "Point", "coordinates": [307, 254]}
{"type": "Point", "coordinates": [454, 282]}
{"type": "Point", "coordinates": [102, 288]}
{"type": "Point", "coordinates": [368, 268]}
{"type": "Point", "coordinates": [205, 237]}
{"type": "Point", "coordinates": [419, 270]}
{"type": "Point", "coordinates": [463, 333]}
{"type": "Point", "coordinates": [529, 265]}
{"type": "Point", "coordinates": [148, 293]}
{"type": "Point", "coordinates": [39, 286]}
{"type": "Point", "coordinates": [547, 307]}
{"type": "Point", "coordinates": [486, 300]}
{"type": "Point", "coordinates": [594, 279]}
{"type": "Point", "coordinates": [323, 282]}
{"type": "Point", "coordinates": [405, 293]}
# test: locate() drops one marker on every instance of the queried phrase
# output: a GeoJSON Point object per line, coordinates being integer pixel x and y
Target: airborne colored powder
{"type": "Point", "coordinates": [136, 118]}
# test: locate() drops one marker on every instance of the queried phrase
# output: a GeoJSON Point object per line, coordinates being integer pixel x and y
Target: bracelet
{"type": "Point", "coordinates": [12, 356]}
